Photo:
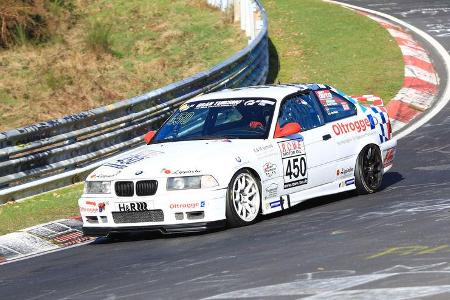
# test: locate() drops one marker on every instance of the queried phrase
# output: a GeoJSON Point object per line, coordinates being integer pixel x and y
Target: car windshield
{"type": "Point", "coordinates": [248, 118]}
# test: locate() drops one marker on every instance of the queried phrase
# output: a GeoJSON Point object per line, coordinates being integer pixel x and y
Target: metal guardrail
{"type": "Point", "coordinates": [63, 151]}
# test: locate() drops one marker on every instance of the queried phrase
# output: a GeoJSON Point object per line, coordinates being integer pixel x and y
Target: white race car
{"type": "Point", "coordinates": [228, 157]}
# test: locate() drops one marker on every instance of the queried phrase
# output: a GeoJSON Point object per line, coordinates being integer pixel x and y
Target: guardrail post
{"type": "Point", "coordinates": [68, 142]}
{"type": "Point", "coordinates": [237, 11]}
{"type": "Point", "coordinates": [243, 5]}
{"type": "Point", "coordinates": [256, 17]}
{"type": "Point", "coordinates": [248, 19]}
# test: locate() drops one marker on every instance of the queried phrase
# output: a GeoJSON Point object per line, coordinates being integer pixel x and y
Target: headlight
{"type": "Point", "coordinates": [97, 187]}
{"type": "Point", "coordinates": [191, 182]}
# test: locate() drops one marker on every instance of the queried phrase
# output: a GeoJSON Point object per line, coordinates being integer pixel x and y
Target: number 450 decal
{"type": "Point", "coordinates": [293, 156]}
{"type": "Point", "coordinates": [295, 167]}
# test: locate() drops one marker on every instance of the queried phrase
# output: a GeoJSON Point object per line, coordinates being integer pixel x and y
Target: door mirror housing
{"type": "Point", "coordinates": [148, 137]}
{"type": "Point", "coordinates": [287, 129]}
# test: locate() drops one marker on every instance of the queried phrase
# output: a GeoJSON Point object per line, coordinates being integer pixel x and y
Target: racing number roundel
{"type": "Point", "coordinates": [293, 156]}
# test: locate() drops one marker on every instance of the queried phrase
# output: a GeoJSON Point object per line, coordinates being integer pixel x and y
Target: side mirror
{"type": "Point", "coordinates": [148, 137]}
{"type": "Point", "coordinates": [286, 130]}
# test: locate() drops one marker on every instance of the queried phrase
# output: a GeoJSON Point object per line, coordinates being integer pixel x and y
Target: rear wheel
{"type": "Point", "coordinates": [243, 199]}
{"type": "Point", "coordinates": [369, 170]}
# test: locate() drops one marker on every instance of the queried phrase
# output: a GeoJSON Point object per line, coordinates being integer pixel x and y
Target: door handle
{"type": "Point", "coordinates": [326, 137]}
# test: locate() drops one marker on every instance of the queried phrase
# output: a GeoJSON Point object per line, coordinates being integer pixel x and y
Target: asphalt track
{"type": "Point", "coordinates": [395, 243]}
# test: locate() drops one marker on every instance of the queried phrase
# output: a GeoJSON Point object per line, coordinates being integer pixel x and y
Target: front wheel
{"type": "Point", "coordinates": [243, 199]}
{"type": "Point", "coordinates": [369, 170]}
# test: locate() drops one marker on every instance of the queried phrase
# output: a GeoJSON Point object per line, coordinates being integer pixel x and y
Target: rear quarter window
{"type": "Point", "coordinates": [334, 106]}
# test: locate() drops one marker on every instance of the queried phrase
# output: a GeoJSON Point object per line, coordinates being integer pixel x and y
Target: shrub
{"type": "Point", "coordinates": [98, 38]}
{"type": "Point", "coordinates": [23, 21]}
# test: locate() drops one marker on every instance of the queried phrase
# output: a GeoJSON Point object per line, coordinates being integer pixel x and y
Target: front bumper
{"type": "Point", "coordinates": [164, 229]}
{"type": "Point", "coordinates": [169, 212]}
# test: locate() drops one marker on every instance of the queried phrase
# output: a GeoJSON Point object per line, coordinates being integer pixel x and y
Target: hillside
{"type": "Point", "coordinates": [66, 56]}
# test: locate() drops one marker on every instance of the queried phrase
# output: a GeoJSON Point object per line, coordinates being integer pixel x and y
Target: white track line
{"type": "Point", "coordinates": [444, 99]}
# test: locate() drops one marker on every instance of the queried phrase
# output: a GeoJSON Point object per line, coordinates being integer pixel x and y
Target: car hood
{"type": "Point", "coordinates": [183, 158]}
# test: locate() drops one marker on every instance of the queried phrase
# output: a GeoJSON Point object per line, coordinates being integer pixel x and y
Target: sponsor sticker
{"type": "Point", "coordinates": [103, 175]}
{"type": "Point", "coordinates": [180, 172]}
{"type": "Point", "coordinates": [132, 206]}
{"type": "Point", "coordinates": [101, 206]}
{"type": "Point", "coordinates": [191, 205]}
{"type": "Point", "coordinates": [389, 158]}
{"type": "Point", "coordinates": [343, 172]}
{"type": "Point", "coordinates": [184, 107]}
{"type": "Point", "coordinates": [259, 102]}
{"type": "Point", "coordinates": [234, 102]}
{"type": "Point", "coordinates": [350, 181]}
{"type": "Point", "coordinates": [271, 190]}
{"type": "Point", "coordinates": [347, 182]}
{"type": "Point", "coordinates": [324, 95]}
{"type": "Point", "coordinates": [263, 149]}
{"type": "Point", "coordinates": [270, 169]}
{"type": "Point", "coordinates": [88, 210]}
{"type": "Point", "coordinates": [351, 127]}
{"type": "Point", "coordinates": [293, 156]}
{"type": "Point", "coordinates": [345, 106]}
{"type": "Point", "coordinates": [186, 172]}
{"type": "Point", "coordinates": [123, 163]}
{"type": "Point", "coordinates": [181, 119]}
{"type": "Point", "coordinates": [274, 204]}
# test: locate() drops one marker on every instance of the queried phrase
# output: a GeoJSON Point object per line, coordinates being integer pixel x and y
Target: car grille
{"type": "Point", "coordinates": [124, 188]}
{"type": "Point", "coordinates": [143, 188]}
{"type": "Point", "coordinates": [156, 215]}
{"type": "Point", "coordinates": [146, 187]}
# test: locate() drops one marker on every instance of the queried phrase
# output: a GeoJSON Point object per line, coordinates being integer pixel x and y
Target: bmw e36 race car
{"type": "Point", "coordinates": [229, 156]}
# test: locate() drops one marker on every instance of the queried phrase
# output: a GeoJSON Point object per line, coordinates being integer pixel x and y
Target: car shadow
{"type": "Point", "coordinates": [389, 179]}
{"type": "Point", "coordinates": [149, 235]}
{"type": "Point", "coordinates": [274, 63]}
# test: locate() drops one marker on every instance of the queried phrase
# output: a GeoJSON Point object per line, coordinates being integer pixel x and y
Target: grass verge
{"type": "Point", "coordinates": [110, 50]}
{"type": "Point", "coordinates": [322, 42]}
{"type": "Point", "coordinates": [58, 204]}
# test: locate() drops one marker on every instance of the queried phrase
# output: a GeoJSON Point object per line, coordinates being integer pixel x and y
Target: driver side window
{"type": "Point", "coordinates": [299, 109]}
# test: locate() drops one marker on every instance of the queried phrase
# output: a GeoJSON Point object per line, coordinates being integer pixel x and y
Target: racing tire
{"type": "Point", "coordinates": [243, 199]}
{"type": "Point", "coordinates": [368, 170]}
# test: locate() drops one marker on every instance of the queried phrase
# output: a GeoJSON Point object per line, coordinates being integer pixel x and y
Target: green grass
{"type": "Point", "coordinates": [98, 38]}
{"type": "Point", "coordinates": [322, 42]}
{"type": "Point", "coordinates": [43, 208]}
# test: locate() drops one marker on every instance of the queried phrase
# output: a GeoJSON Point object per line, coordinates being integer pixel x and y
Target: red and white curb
{"type": "Point", "coordinates": [41, 238]}
{"type": "Point", "coordinates": [421, 82]}
{"type": "Point", "coordinates": [403, 111]}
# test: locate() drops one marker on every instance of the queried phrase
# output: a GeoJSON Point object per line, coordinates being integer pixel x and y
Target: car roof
{"type": "Point", "coordinates": [277, 92]}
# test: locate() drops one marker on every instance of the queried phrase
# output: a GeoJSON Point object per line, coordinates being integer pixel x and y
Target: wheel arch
{"type": "Point", "coordinates": [361, 146]}
{"type": "Point", "coordinates": [249, 169]}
